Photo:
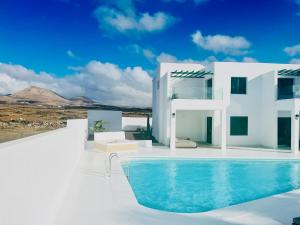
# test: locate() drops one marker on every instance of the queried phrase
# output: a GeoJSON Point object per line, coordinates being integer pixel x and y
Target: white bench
{"type": "Point", "coordinates": [113, 142]}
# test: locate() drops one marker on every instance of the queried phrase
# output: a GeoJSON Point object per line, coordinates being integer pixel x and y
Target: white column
{"type": "Point", "coordinates": [173, 130]}
{"type": "Point", "coordinates": [223, 130]}
{"type": "Point", "coordinates": [216, 128]}
{"type": "Point", "coordinates": [295, 132]}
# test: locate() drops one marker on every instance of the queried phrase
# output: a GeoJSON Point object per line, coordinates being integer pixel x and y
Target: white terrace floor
{"type": "Point", "coordinates": [93, 199]}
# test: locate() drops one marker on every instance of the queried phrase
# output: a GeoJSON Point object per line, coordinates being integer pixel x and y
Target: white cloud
{"type": "Point", "coordinates": [295, 61]}
{"type": "Point", "coordinates": [229, 59]}
{"type": "Point", "coordinates": [71, 54]}
{"type": "Point", "coordinates": [207, 62]}
{"type": "Point", "coordinates": [298, 3]}
{"type": "Point", "coordinates": [236, 45]}
{"type": "Point", "coordinates": [244, 59]}
{"type": "Point", "coordinates": [125, 20]}
{"type": "Point", "coordinates": [100, 69]}
{"type": "Point", "coordinates": [250, 59]}
{"type": "Point", "coordinates": [292, 50]}
{"type": "Point", "coordinates": [147, 53]}
{"type": "Point", "coordinates": [165, 57]}
{"type": "Point", "coordinates": [104, 82]}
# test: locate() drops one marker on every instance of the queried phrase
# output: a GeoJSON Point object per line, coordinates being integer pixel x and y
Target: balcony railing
{"type": "Point", "coordinates": [288, 92]}
{"type": "Point", "coordinates": [192, 92]}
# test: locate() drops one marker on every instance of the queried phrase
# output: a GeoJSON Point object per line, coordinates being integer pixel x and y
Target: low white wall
{"type": "Point", "coordinates": [133, 123]}
{"type": "Point", "coordinates": [113, 119]}
{"type": "Point", "coordinates": [35, 172]}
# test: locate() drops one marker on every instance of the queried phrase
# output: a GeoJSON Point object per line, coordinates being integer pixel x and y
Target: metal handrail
{"type": "Point", "coordinates": [110, 157]}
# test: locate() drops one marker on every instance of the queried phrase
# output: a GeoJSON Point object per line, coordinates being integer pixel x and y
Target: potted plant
{"type": "Point", "coordinates": [175, 96]}
{"type": "Point", "coordinates": [99, 126]}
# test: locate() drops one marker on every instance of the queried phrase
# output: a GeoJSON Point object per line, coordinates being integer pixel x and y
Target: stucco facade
{"type": "Point", "coordinates": [182, 105]}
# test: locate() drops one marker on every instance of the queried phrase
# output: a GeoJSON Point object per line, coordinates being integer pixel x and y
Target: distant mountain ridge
{"type": "Point", "coordinates": [82, 100]}
{"type": "Point", "coordinates": [42, 96]}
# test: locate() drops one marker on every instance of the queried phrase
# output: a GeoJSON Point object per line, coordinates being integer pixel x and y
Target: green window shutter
{"type": "Point", "coordinates": [238, 85]}
{"type": "Point", "coordinates": [238, 125]}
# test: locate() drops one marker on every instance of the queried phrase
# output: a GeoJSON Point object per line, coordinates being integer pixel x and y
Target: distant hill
{"type": "Point", "coordinates": [41, 96]}
{"type": "Point", "coordinates": [82, 101]}
{"type": "Point", "coordinates": [35, 96]}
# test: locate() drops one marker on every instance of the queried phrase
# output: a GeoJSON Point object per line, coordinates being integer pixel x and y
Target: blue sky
{"type": "Point", "coordinates": [66, 38]}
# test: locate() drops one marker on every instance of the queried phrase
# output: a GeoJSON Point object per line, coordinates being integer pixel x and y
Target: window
{"type": "Point", "coordinates": [238, 85]}
{"type": "Point", "coordinates": [238, 125]}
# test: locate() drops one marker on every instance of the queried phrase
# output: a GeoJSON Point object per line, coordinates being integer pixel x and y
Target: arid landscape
{"type": "Point", "coordinates": [17, 121]}
{"type": "Point", "coordinates": [35, 110]}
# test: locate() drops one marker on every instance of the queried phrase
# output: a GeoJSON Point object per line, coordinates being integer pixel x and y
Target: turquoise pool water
{"type": "Point", "coordinates": [190, 186]}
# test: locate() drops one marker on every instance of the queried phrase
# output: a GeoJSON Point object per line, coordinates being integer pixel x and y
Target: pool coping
{"type": "Point", "coordinates": [268, 210]}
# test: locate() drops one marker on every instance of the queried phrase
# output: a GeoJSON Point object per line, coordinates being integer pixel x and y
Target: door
{"type": "Point", "coordinates": [285, 88]}
{"type": "Point", "coordinates": [209, 89]}
{"type": "Point", "coordinates": [284, 131]}
{"type": "Point", "coordinates": [209, 130]}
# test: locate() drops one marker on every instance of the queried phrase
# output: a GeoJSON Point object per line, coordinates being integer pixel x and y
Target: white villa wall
{"type": "Point", "coordinates": [251, 107]}
{"type": "Point", "coordinates": [271, 111]}
{"type": "Point", "coordinates": [161, 121]}
{"type": "Point", "coordinates": [113, 119]}
{"type": "Point", "coordinates": [155, 113]}
{"type": "Point", "coordinates": [258, 104]}
{"type": "Point", "coordinates": [268, 113]}
{"type": "Point", "coordinates": [284, 114]}
{"type": "Point", "coordinates": [35, 173]}
{"type": "Point", "coordinates": [192, 124]}
{"type": "Point", "coordinates": [165, 117]}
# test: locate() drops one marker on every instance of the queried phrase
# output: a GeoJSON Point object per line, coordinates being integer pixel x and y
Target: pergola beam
{"type": "Point", "coordinates": [289, 72]}
{"type": "Point", "coordinates": [191, 74]}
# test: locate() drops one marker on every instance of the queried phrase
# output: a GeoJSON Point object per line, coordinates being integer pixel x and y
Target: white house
{"type": "Point", "coordinates": [234, 104]}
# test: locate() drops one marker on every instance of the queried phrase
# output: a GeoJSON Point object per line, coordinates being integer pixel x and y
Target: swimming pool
{"type": "Point", "coordinates": [189, 186]}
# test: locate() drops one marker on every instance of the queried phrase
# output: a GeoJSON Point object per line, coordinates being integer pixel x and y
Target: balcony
{"type": "Point", "coordinates": [288, 92]}
{"type": "Point", "coordinates": [192, 92]}
{"type": "Point", "coordinates": [195, 98]}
